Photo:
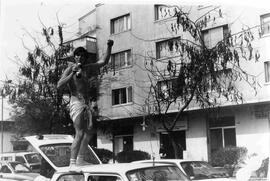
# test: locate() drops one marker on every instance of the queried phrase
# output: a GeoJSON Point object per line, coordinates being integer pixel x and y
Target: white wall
{"type": "Point", "coordinates": [7, 146]}
{"type": "Point", "coordinates": [196, 139]}
{"type": "Point", "coordinates": [104, 141]}
{"type": "Point", "coordinates": [251, 132]}
{"type": "Point", "coordinates": [147, 140]}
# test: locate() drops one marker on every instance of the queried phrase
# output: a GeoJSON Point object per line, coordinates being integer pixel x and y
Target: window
{"type": "Point", "coordinates": [33, 158]}
{"type": "Point", "coordinates": [121, 96]}
{"type": "Point", "coordinates": [71, 177]}
{"type": "Point", "coordinates": [121, 59]}
{"type": "Point", "coordinates": [19, 159]}
{"type": "Point", "coordinates": [5, 169]}
{"type": "Point", "coordinates": [103, 178]}
{"type": "Point", "coordinates": [212, 36]}
{"type": "Point", "coordinates": [167, 88]}
{"type": "Point", "coordinates": [267, 71]}
{"type": "Point", "coordinates": [168, 48]}
{"type": "Point", "coordinates": [123, 138]}
{"type": "Point", "coordinates": [59, 154]}
{"type": "Point", "coordinates": [120, 24]}
{"type": "Point", "coordinates": [7, 158]}
{"type": "Point", "coordinates": [164, 12]}
{"type": "Point", "coordinates": [265, 23]}
{"type": "Point", "coordinates": [222, 133]}
{"type": "Point", "coordinates": [18, 167]}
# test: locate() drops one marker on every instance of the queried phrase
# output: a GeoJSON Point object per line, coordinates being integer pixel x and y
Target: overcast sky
{"type": "Point", "coordinates": [20, 17]}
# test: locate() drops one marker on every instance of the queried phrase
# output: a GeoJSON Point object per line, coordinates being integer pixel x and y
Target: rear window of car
{"type": "Point", "coordinates": [59, 154]}
{"type": "Point", "coordinates": [20, 168]}
{"type": "Point", "coordinates": [19, 159]}
{"type": "Point", "coordinates": [157, 173]}
{"type": "Point", "coordinates": [33, 158]}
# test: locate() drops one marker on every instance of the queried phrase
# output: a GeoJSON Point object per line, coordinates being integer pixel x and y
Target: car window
{"type": "Point", "coordinates": [19, 159]}
{"type": "Point", "coordinates": [201, 170]}
{"type": "Point", "coordinates": [59, 154]}
{"type": "Point", "coordinates": [71, 177]}
{"type": "Point", "coordinates": [5, 169]}
{"type": "Point", "coordinates": [103, 178]}
{"type": "Point", "coordinates": [33, 158]}
{"type": "Point", "coordinates": [158, 173]}
{"type": "Point", "coordinates": [20, 168]}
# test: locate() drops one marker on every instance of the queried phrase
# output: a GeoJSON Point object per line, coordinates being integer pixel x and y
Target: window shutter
{"type": "Point", "coordinates": [267, 71]}
{"type": "Point", "coordinates": [130, 94]}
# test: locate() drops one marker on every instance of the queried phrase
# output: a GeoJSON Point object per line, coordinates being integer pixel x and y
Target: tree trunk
{"type": "Point", "coordinates": [177, 147]}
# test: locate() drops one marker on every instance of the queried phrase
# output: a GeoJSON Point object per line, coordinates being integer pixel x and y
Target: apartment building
{"type": "Point", "coordinates": [142, 32]}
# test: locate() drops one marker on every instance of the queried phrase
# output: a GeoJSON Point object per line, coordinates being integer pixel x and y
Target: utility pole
{"type": "Point", "coordinates": [2, 122]}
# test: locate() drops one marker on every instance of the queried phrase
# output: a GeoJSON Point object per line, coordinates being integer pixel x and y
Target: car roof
{"type": "Point", "coordinates": [16, 153]}
{"type": "Point", "coordinates": [168, 160]}
{"type": "Point", "coordinates": [113, 168]}
{"type": "Point", "coordinates": [47, 139]}
{"type": "Point", "coordinates": [7, 161]}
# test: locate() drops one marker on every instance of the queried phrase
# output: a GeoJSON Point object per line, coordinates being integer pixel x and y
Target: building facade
{"type": "Point", "coordinates": [142, 32]}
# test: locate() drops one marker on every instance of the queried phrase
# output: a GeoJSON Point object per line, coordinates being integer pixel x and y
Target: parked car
{"type": "Point", "coordinates": [123, 172]}
{"type": "Point", "coordinates": [12, 170]}
{"type": "Point", "coordinates": [30, 159]}
{"type": "Point", "coordinates": [55, 149]}
{"type": "Point", "coordinates": [195, 170]}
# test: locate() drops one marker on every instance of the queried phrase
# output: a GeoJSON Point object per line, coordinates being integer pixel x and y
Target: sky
{"type": "Point", "coordinates": [21, 18]}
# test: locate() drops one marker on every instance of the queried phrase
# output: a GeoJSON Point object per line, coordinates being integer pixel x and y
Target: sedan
{"type": "Point", "coordinates": [122, 172]}
{"type": "Point", "coordinates": [195, 170]}
{"type": "Point", "coordinates": [12, 170]}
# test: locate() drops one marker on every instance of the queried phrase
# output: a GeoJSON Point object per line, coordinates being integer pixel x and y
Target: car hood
{"type": "Point", "coordinates": [38, 141]}
{"type": "Point", "coordinates": [26, 176]}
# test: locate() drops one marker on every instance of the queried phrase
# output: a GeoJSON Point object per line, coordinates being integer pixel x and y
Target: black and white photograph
{"type": "Point", "coordinates": [134, 90]}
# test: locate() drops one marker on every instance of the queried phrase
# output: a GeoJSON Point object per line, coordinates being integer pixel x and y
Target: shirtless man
{"type": "Point", "coordinates": [76, 76]}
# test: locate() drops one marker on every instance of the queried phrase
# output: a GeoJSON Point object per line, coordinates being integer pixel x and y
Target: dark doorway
{"type": "Point", "coordinates": [167, 145]}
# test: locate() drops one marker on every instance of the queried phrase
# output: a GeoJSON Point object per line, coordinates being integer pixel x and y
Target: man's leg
{"type": "Point", "coordinates": [77, 140]}
{"type": "Point", "coordinates": [87, 136]}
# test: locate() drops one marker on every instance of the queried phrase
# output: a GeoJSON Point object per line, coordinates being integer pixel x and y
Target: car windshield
{"type": "Point", "coordinates": [33, 158]}
{"type": "Point", "coordinates": [158, 173]}
{"type": "Point", "coordinates": [201, 170]}
{"type": "Point", "coordinates": [59, 154]}
{"type": "Point", "coordinates": [19, 168]}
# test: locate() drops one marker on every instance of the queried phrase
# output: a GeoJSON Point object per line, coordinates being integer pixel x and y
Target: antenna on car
{"type": "Point", "coordinates": [40, 137]}
{"type": "Point", "coordinates": [153, 156]}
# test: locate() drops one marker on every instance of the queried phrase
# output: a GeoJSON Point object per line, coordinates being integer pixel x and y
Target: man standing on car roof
{"type": "Point", "coordinates": [76, 76]}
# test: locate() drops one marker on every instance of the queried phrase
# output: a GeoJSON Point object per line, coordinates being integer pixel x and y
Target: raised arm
{"type": "Point", "coordinates": [66, 77]}
{"type": "Point", "coordinates": [106, 59]}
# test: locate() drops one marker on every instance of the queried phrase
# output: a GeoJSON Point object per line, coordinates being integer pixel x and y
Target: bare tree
{"type": "Point", "coordinates": [196, 73]}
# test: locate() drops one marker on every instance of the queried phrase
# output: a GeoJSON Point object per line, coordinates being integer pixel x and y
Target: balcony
{"type": "Point", "coordinates": [88, 42]}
